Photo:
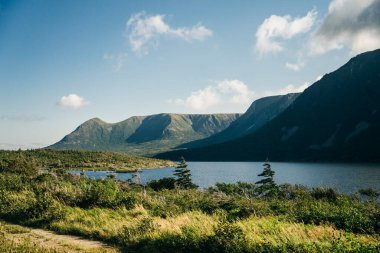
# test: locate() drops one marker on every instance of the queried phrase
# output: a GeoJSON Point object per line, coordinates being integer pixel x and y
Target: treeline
{"type": "Point", "coordinates": [78, 159]}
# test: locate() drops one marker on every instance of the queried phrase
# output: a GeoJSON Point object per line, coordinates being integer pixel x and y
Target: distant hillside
{"type": "Point", "coordinates": [258, 114]}
{"type": "Point", "coordinates": [335, 119]}
{"type": "Point", "coordinates": [80, 159]}
{"type": "Point", "coordinates": [145, 135]}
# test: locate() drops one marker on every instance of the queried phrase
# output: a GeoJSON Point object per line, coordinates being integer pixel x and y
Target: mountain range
{"type": "Point", "coordinates": [150, 135]}
{"type": "Point", "coordinates": [145, 135]}
{"type": "Point", "coordinates": [336, 119]}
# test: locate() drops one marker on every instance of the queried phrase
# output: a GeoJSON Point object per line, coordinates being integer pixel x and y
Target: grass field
{"type": "Point", "coordinates": [223, 218]}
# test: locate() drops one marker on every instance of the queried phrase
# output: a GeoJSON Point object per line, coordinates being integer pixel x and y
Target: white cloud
{"type": "Point", "coordinates": [292, 88]}
{"type": "Point", "coordinates": [116, 60]}
{"type": "Point", "coordinates": [318, 78]}
{"type": "Point", "coordinates": [226, 91]}
{"type": "Point", "coordinates": [294, 66]}
{"type": "Point", "coordinates": [144, 31]}
{"type": "Point", "coordinates": [72, 101]}
{"type": "Point", "coordinates": [288, 89]}
{"type": "Point", "coordinates": [240, 92]}
{"type": "Point", "coordinates": [201, 99]}
{"type": "Point", "coordinates": [354, 24]}
{"type": "Point", "coordinates": [281, 27]}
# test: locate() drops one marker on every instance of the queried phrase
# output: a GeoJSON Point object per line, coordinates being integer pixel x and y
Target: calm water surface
{"type": "Point", "coordinates": [347, 178]}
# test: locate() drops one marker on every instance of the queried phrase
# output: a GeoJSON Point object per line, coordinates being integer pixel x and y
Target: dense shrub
{"type": "Point", "coordinates": [228, 238]}
{"type": "Point", "coordinates": [324, 193]}
{"type": "Point", "coordinates": [167, 183]}
{"type": "Point", "coordinates": [126, 199]}
{"type": "Point", "coordinates": [44, 210]}
{"type": "Point", "coordinates": [369, 192]}
{"type": "Point", "coordinates": [129, 235]}
{"type": "Point", "coordinates": [29, 207]}
{"type": "Point", "coordinates": [15, 206]}
{"type": "Point", "coordinates": [101, 193]}
{"type": "Point", "coordinates": [18, 164]}
{"type": "Point", "coordinates": [12, 182]}
{"type": "Point", "coordinates": [344, 214]}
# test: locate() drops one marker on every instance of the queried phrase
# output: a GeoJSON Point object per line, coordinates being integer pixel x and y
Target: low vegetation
{"type": "Point", "coordinates": [15, 238]}
{"type": "Point", "coordinates": [165, 217]}
{"type": "Point", "coordinates": [78, 159]}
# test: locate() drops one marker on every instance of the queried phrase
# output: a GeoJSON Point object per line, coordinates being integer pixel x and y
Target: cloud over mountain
{"type": "Point", "coordinates": [354, 24]}
{"type": "Point", "coordinates": [226, 91]}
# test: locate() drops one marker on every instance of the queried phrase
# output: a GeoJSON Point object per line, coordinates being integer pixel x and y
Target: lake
{"type": "Point", "coordinates": [345, 178]}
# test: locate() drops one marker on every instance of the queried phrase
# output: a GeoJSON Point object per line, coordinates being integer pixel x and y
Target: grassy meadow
{"type": "Point", "coordinates": [83, 160]}
{"type": "Point", "coordinates": [162, 218]}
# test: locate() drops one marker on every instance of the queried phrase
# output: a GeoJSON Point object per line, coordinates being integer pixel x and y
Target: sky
{"type": "Point", "coordinates": [64, 62]}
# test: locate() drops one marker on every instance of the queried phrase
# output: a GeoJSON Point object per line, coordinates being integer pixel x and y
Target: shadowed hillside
{"type": "Point", "coordinates": [258, 114]}
{"type": "Point", "coordinates": [335, 119]}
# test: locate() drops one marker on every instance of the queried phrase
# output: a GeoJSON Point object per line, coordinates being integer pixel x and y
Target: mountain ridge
{"type": "Point", "coordinates": [335, 119]}
{"type": "Point", "coordinates": [258, 114]}
{"type": "Point", "coordinates": [144, 135]}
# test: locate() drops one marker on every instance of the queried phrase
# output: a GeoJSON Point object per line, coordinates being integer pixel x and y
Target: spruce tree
{"type": "Point", "coordinates": [266, 186]}
{"type": "Point", "coordinates": [183, 176]}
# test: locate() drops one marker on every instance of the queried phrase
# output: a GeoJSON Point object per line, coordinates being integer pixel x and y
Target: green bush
{"type": "Point", "coordinates": [15, 206]}
{"type": "Point", "coordinates": [126, 199]}
{"type": "Point", "coordinates": [19, 164]}
{"type": "Point", "coordinates": [167, 183]}
{"type": "Point", "coordinates": [130, 235]}
{"type": "Point", "coordinates": [228, 238]}
{"type": "Point", "coordinates": [12, 182]}
{"type": "Point", "coordinates": [44, 210]}
{"type": "Point", "coordinates": [369, 192]}
{"type": "Point", "coordinates": [101, 193]}
{"type": "Point", "coordinates": [324, 193]}
{"type": "Point", "coordinates": [343, 215]}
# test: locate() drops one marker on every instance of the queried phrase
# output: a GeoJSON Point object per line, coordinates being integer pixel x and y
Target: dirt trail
{"type": "Point", "coordinates": [72, 241]}
{"type": "Point", "coordinates": [64, 243]}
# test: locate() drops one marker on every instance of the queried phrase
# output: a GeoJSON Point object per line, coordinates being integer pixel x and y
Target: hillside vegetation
{"type": "Point", "coordinates": [145, 135]}
{"type": "Point", "coordinates": [225, 218]}
{"type": "Point", "coordinates": [76, 159]}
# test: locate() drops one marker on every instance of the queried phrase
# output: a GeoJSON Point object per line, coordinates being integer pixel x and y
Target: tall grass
{"type": "Point", "coordinates": [225, 218]}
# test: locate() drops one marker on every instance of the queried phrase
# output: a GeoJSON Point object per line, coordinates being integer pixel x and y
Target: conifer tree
{"type": "Point", "coordinates": [266, 186]}
{"type": "Point", "coordinates": [183, 175]}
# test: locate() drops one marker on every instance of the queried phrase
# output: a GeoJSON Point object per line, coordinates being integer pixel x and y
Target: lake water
{"type": "Point", "coordinates": [346, 178]}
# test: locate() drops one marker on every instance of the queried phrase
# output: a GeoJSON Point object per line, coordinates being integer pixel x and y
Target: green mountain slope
{"type": "Point", "coordinates": [145, 135]}
{"type": "Point", "coordinates": [335, 119]}
{"type": "Point", "coordinates": [258, 114]}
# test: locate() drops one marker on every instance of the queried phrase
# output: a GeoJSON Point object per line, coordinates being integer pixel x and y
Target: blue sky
{"type": "Point", "coordinates": [64, 62]}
